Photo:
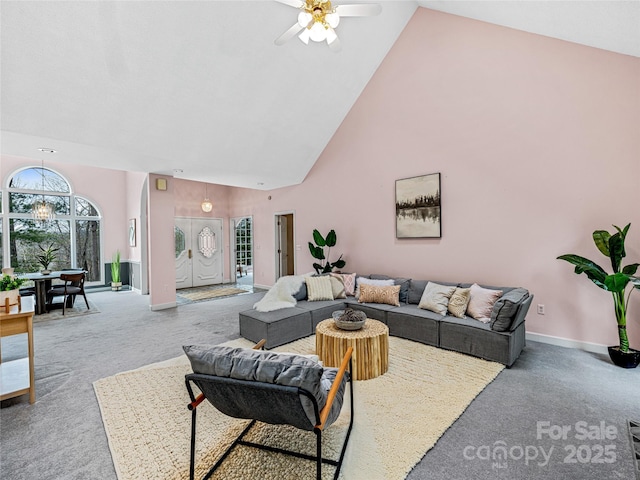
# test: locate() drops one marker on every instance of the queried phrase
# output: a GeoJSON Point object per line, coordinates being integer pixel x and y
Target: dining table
{"type": "Point", "coordinates": [43, 283]}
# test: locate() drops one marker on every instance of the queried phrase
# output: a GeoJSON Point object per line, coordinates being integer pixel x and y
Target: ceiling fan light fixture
{"type": "Point", "coordinates": [304, 18]}
{"type": "Point", "coordinates": [304, 36]}
{"type": "Point", "coordinates": [317, 32]}
{"type": "Point", "coordinates": [331, 36]}
{"type": "Point", "coordinates": [333, 19]}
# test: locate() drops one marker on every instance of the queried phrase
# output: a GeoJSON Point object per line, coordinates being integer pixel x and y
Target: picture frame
{"type": "Point", "coordinates": [132, 232]}
{"type": "Point", "coordinates": [418, 207]}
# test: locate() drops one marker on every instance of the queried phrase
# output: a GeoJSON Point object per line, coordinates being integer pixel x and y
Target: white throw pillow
{"type": "Point", "coordinates": [319, 288]}
{"type": "Point", "coordinates": [436, 297]}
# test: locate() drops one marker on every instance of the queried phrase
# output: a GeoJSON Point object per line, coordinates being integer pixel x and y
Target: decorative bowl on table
{"type": "Point", "coordinates": [349, 319]}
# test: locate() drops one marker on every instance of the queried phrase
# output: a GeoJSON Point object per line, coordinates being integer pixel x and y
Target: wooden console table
{"type": "Point", "coordinates": [370, 347]}
{"type": "Point", "coordinates": [17, 377]}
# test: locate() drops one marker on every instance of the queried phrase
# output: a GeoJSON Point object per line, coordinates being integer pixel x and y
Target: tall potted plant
{"type": "Point", "coordinates": [116, 281]}
{"type": "Point", "coordinates": [612, 246]}
{"type": "Point", "coordinates": [317, 251]}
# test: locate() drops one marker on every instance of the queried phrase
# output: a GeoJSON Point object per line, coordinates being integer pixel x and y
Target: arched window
{"type": "Point", "coordinates": [73, 235]}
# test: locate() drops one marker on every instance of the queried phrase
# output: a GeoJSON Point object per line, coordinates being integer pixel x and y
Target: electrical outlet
{"type": "Point", "coordinates": [540, 309]}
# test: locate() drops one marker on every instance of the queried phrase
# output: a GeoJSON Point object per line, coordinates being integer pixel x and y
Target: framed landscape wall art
{"type": "Point", "coordinates": [418, 207]}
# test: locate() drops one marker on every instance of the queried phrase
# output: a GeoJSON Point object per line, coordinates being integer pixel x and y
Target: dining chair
{"type": "Point", "coordinates": [73, 285]}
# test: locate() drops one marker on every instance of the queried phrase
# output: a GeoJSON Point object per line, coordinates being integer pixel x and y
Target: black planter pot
{"type": "Point", "coordinates": [631, 359]}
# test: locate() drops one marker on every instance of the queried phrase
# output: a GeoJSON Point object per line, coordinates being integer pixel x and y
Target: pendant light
{"type": "Point", "coordinates": [206, 204]}
{"type": "Point", "coordinates": [43, 211]}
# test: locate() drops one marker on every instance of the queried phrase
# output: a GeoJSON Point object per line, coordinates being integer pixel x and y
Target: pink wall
{"type": "Point", "coordinates": [162, 270]}
{"type": "Point", "coordinates": [537, 143]}
{"type": "Point", "coordinates": [135, 191]}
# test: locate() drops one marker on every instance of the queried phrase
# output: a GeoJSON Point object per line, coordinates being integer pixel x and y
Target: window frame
{"type": "Point", "coordinates": [72, 217]}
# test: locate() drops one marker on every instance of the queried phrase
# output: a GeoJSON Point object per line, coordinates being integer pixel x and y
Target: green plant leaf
{"type": "Point", "coordinates": [631, 269]}
{"type": "Point", "coordinates": [317, 267]}
{"type": "Point", "coordinates": [616, 251]}
{"type": "Point", "coordinates": [583, 265]}
{"type": "Point", "coordinates": [601, 239]}
{"type": "Point", "coordinates": [316, 252]}
{"type": "Point", "coordinates": [331, 238]}
{"type": "Point", "coordinates": [319, 239]}
{"type": "Point", "coordinates": [340, 263]}
{"type": "Point", "coordinates": [327, 268]}
{"type": "Point", "coordinates": [616, 282]}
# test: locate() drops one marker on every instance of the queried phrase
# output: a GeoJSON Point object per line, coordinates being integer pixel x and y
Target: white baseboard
{"type": "Point", "coordinates": [566, 342]}
{"type": "Point", "coordinates": [264, 287]}
{"type": "Point", "coordinates": [162, 306]}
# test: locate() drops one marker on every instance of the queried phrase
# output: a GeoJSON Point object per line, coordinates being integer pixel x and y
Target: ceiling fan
{"type": "Point", "coordinates": [318, 19]}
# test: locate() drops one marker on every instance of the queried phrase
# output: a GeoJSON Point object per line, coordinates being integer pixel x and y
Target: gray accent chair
{"type": "Point", "coordinates": [274, 388]}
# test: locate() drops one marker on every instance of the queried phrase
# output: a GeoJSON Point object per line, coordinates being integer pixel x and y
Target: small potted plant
{"type": "Point", "coordinates": [10, 288]}
{"type": "Point", "coordinates": [116, 282]}
{"type": "Point", "coordinates": [612, 246]}
{"type": "Point", "coordinates": [46, 258]}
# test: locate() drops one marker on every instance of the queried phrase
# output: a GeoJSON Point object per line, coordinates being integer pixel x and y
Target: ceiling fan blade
{"type": "Point", "coordinates": [292, 3]}
{"type": "Point", "coordinates": [359, 10]}
{"type": "Point", "coordinates": [289, 34]}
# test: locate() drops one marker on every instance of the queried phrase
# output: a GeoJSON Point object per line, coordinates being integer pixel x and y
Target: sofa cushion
{"type": "Point", "coordinates": [319, 288]}
{"type": "Point", "coordinates": [482, 302]}
{"type": "Point", "coordinates": [403, 282]}
{"type": "Point", "coordinates": [505, 308]}
{"type": "Point", "coordinates": [261, 366]}
{"type": "Point", "coordinates": [416, 289]}
{"type": "Point", "coordinates": [414, 311]}
{"type": "Point", "coordinates": [436, 297]}
{"type": "Point", "coordinates": [369, 281]}
{"type": "Point", "coordinates": [349, 281]}
{"type": "Point", "coordinates": [376, 294]}
{"type": "Point", "coordinates": [459, 301]}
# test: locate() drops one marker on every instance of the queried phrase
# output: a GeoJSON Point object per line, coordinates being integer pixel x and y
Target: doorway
{"type": "Point", "coordinates": [242, 250]}
{"type": "Point", "coordinates": [198, 249]}
{"type": "Point", "coordinates": [285, 258]}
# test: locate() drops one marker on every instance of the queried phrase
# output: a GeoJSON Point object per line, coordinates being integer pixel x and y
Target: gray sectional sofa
{"type": "Point", "coordinates": [501, 340]}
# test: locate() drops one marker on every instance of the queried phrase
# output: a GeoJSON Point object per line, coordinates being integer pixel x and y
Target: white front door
{"type": "Point", "coordinates": [199, 252]}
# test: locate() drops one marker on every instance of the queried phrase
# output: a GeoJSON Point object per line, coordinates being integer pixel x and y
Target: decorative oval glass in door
{"type": "Point", "coordinates": [207, 242]}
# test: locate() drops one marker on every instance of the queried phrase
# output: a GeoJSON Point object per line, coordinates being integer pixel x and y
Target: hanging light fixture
{"type": "Point", "coordinates": [43, 211]}
{"type": "Point", "coordinates": [206, 204]}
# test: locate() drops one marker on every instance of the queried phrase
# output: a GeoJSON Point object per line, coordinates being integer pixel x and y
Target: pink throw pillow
{"type": "Point", "coordinates": [481, 302]}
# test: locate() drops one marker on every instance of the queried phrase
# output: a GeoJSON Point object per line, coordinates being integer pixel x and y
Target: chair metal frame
{"type": "Point", "coordinates": [320, 417]}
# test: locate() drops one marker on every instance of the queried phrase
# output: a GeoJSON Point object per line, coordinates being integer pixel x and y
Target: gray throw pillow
{"type": "Point", "coordinates": [505, 309]}
{"type": "Point", "coordinates": [302, 293]}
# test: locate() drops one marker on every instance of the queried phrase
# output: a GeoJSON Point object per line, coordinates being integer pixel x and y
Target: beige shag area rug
{"type": "Point", "coordinates": [207, 293]}
{"type": "Point", "coordinates": [398, 417]}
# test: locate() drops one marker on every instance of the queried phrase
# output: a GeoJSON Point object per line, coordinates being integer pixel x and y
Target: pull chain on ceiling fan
{"type": "Point", "coordinates": [318, 19]}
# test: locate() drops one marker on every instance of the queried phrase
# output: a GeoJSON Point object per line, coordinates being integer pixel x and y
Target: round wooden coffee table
{"type": "Point", "coordinates": [370, 344]}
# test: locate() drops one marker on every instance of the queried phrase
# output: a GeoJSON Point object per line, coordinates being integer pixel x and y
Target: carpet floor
{"type": "Point", "coordinates": [62, 436]}
{"type": "Point", "coordinates": [79, 309]}
{"type": "Point", "coordinates": [148, 425]}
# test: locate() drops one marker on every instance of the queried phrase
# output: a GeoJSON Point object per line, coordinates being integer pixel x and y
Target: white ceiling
{"type": "Point", "coordinates": [199, 86]}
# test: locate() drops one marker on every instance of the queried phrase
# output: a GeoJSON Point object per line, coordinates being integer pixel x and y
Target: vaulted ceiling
{"type": "Point", "coordinates": [198, 90]}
